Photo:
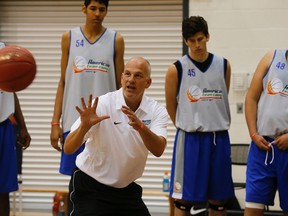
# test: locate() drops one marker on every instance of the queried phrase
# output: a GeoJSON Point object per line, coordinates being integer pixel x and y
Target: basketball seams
{"type": "Point", "coordinates": [17, 68]}
{"type": "Point", "coordinates": [18, 83]}
{"type": "Point", "coordinates": [17, 72]}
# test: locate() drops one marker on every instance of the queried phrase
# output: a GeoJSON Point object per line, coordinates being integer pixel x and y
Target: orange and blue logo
{"type": "Point", "coordinates": [80, 64]}
{"type": "Point", "coordinates": [194, 94]}
{"type": "Point", "coordinates": [274, 86]}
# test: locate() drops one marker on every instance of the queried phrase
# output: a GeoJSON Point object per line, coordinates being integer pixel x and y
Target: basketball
{"type": "Point", "coordinates": [17, 68]}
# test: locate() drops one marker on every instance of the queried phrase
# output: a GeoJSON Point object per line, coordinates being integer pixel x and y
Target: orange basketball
{"type": "Point", "coordinates": [17, 68]}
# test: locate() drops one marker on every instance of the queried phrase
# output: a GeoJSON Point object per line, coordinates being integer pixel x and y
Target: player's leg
{"type": "Point", "coordinates": [4, 204]}
{"type": "Point", "coordinates": [177, 206]}
{"type": "Point", "coordinates": [8, 166]}
{"type": "Point", "coordinates": [171, 206]}
{"type": "Point", "coordinates": [68, 166]}
{"type": "Point", "coordinates": [221, 183]}
{"type": "Point", "coordinates": [282, 176]}
{"type": "Point", "coordinates": [254, 209]}
{"type": "Point", "coordinates": [261, 181]}
{"type": "Point", "coordinates": [217, 208]}
{"type": "Point", "coordinates": [190, 171]}
{"type": "Point", "coordinates": [182, 208]}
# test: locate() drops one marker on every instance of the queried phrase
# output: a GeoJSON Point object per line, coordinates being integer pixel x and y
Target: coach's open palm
{"type": "Point", "coordinates": [88, 113]}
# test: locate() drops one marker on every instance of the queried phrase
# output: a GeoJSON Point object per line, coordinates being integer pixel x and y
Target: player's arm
{"type": "Point", "coordinates": [228, 76]}
{"type": "Point", "coordinates": [171, 84]}
{"type": "Point", "coordinates": [252, 98]}
{"type": "Point", "coordinates": [119, 58]}
{"type": "Point", "coordinates": [24, 138]}
{"type": "Point", "coordinates": [56, 131]}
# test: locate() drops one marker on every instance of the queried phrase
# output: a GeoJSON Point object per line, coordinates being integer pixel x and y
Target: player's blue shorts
{"type": "Point", "coordinates": [267, 172]}
{"type": "Point", "coordinates": [8, 164]}
{"type": "Point", "coordinates": [201, 167]}
{"type": "Point", "coordinates": [67, 163]}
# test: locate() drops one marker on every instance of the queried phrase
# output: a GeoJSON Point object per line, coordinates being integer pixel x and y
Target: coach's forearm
{"type": "Point", "coordinates": [74, 140]}
{"type": "Point", "coordinates": [155, 144]}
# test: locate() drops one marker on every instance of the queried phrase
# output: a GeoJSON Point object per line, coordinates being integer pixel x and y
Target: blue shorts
{"type": "Point", "coordinates": [8, 162]}
{"type": "Point", "coordinates": [67, 163]}
{"type": "Point", "coordinates": [201, 167]}
{"type": "Point", "coordinates": [264, 179]}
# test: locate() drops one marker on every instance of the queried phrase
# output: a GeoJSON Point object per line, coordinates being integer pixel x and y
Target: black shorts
{"type": "Point", "coordinates": [91, 198]}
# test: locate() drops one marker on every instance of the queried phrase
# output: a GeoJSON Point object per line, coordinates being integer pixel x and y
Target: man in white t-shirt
{"type": "Point", "coordinates": [119, 128]}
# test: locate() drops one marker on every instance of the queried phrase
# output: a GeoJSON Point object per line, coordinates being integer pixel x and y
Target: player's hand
{"type": "Point", "coordinates": [56, 136]}
{"type": "Point", "coordinates": [282, 142]}
{"type": "Point", "coordinates": [261, 142]}
{"type": "Point", "coordinates": [24, 139]}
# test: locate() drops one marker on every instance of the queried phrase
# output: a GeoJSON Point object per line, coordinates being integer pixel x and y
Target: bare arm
{"type": "Point", "coordinates": [24, 138]}
{"type": "Point", "coordinates": [119, 59]}
{"type": "Point", "coordinates": [252, 98]}
{"type": "Point", "coordinates": [155, 144]}
{"type": "Point", "coordinates": [56, 131]}
{"type": "Point", "coordinates": [228, 76]}
{"type": "Point", "coordinates": [171, 84]}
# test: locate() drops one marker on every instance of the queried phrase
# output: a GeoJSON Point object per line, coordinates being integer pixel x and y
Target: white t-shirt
{"type": "Point", "coordinates": [114, 153]}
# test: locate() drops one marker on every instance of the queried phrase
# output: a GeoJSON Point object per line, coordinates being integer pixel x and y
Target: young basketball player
{"type": "Point", "coordinates": [266, 109]}
{"type": "Point", "coordinates": [91, 63]}
{"type": "Point", "coordinates": [196, 90]}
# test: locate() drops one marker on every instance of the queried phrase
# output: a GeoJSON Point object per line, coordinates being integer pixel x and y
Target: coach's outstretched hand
{"type": "Point", "coordinates": [88, 113]}
{"type": "Point", "coordinates": [88, 118]}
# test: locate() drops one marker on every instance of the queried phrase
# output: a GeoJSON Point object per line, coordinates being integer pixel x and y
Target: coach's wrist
{"type": "Point", "coordinates": [140, 126]}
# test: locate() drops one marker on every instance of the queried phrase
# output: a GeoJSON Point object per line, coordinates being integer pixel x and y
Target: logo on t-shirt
{"type": "Point", "coordinates": [276, 86]}
{"type": "Point", "coordinates": [194, 94]}
{"type": "Point", "coordinates": [80, 64]}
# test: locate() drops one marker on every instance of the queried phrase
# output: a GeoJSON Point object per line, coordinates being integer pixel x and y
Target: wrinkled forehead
{"type": "Point", "coordinates": [138, 65]}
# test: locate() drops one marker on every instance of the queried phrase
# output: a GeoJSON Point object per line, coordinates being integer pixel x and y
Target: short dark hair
{"type": "Point", "coordinates": [192, 25]}
{"type": "Point", "coordinates": [105, 2]}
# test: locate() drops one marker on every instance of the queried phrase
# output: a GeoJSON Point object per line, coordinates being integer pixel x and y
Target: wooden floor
{"type": "Point", "coordinates": [30, 214]}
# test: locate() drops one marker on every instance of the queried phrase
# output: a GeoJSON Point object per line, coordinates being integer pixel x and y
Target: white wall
{"type": "Point", "coordinates": [243, 31]}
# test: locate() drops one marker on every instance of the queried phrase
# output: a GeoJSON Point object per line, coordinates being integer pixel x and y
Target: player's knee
{"type": "Point", "coordinates": [253, 205]}
{"type": "Point", "coordinates": [182, 205]}
{"type": "Point", "coordinates": [218, 205]}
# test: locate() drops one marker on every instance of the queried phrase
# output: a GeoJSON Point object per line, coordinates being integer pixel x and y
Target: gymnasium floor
{"type": "Point", "coordinates": [30, 214]}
